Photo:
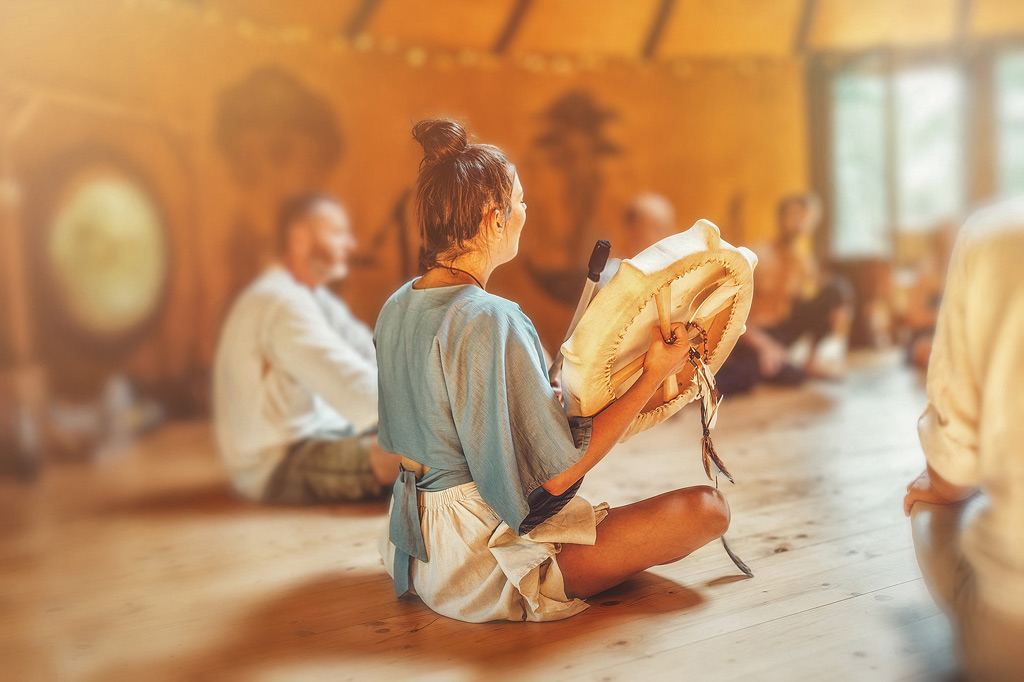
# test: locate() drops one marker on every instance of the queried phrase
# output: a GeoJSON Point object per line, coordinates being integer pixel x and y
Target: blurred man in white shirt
{"type": "Point", "coordinates": [295, 375]}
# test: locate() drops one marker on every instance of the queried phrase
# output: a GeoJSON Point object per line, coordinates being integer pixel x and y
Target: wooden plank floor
{"type": "Point", "coordinates": [142, 566]}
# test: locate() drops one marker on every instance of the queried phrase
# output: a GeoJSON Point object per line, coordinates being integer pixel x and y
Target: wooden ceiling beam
{"type": "Point", "coordinates": [657, 30]}
{"type": "Point", "coordinates": [963, 22]}
{"type": "Point", "coordinates": [361, 17]}
{"type": "Point", "coordinates": [803, 31]}
{"type": "Point", "coordinates": [512, 25]}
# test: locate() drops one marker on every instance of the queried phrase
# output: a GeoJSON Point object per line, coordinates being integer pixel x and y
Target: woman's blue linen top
{"type": "Point", "coordinates": [463, 390]}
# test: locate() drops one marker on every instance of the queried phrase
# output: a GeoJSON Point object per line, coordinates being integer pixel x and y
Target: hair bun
{"type": "Point", "coordinates": [442, 139]}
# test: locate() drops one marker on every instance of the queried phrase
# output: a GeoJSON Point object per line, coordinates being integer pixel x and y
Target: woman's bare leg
{"type": "Point", "coordinates": [658, 530]}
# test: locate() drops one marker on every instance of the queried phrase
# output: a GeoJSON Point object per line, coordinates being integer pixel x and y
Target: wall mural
{"type": "Point", "coordinates": [269, 120]}
{"type": "Point", "coordinates": [574, 143]}
{"type": "Point", "coordinates": [399, 226]}
{"type": "Point", "coordinates": [279, 138]}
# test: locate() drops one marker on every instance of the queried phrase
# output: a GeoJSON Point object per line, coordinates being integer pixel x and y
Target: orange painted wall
{"type": "Point", "coordinates": [723, 140]}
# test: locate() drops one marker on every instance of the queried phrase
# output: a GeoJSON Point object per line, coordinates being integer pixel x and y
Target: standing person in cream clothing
{"type": "Point", "coordinates": [967, 507]}
{"type": "Point", "coordinates": [295, 375]}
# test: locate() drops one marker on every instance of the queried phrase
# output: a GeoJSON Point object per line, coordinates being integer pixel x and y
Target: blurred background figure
{"type": "Point", "coordinates": [791, 302]}
{"type": "Point", "coordinates": [648, 218]}
{"type": "Point", "coordinates": [923, 295]}
{"type": "Point", "coordinates": [295, 374]}
{"type": "Point", "coordinates": [972, 433]}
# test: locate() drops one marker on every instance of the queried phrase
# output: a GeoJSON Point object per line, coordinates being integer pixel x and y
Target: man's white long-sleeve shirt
{"type": "Point", "coordinates": [291, 363]}
{"type": "Point", "coordinates": [972, 431]}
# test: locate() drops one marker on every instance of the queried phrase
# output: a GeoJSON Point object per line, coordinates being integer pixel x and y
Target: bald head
{"type": "Point", "coordinates": [649, 218]}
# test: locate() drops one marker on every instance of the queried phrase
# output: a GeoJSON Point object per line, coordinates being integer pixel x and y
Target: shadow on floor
{"type": "Point", "coordinates": [217, 498]}
{"type": "Point", "coordinates": [921, 629]}
{"type": "Point", "coordinates": [353, 625]}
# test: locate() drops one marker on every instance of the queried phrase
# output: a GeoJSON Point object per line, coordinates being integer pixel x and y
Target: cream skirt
{"type": "Point", "coordinates": [480, 570]}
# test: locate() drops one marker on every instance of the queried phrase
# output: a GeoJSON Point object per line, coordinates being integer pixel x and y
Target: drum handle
{"type": "Point", "coordinates": [637, 363]}
{"type": "Point", "coordinates": [669, 389]}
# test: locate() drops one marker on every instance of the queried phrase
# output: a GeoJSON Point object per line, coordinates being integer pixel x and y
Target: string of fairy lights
{"type": "Point", "coordinates": [419, 56]}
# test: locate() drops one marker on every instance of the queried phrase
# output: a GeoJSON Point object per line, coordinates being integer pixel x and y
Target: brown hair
{"type": "Point", "coordinates": [459, 183]}
{"type": "Point", "coordinates": [807, 200]}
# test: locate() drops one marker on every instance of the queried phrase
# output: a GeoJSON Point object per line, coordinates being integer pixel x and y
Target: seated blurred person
{"type": "Point", "coordinates": [295, 374]}
{"type": "Point", "coordinates": [648, 219]}
{"type": "Point", "coordinates": [925, 294]}
{"type": "Point", "coordinates": [967, 507]}
{"type": "Point", "coordinates": [791, 301]}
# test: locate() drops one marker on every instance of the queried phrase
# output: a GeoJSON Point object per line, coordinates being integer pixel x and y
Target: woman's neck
{"type": "Point", "coordinates": [470, 268]}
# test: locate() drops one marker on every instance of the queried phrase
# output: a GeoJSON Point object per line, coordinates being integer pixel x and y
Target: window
{"type": "Point", "coordinates": [930, 163]}
{"type": "Point", "coordinates": [1009, 85]}
{"type": "Point", "coordinates": [859, 166]}
{"type": "Point", "coordinates": [898, 155]}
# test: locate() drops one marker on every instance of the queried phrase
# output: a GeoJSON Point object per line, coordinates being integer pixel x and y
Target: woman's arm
{"type": "Point", "coordinates": [611, 423]}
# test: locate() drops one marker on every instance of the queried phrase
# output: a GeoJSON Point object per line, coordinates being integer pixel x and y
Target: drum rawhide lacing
{"type": "Point", "coordinates": [694, 278]}
{"type": "Point", "coordinates": [707, 304]}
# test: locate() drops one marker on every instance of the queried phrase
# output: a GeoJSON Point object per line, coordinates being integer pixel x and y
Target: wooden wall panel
{"type": "Point", "coordinates": [722, 140]}
{"type": "Point", "coordinates": [473, 24]}
{"type": "Point", "coordinates": [731, 29]}
{"type": "Point", "coordinates": [574, 26]}
{"type": "Point", "coordinates": [849, 26]}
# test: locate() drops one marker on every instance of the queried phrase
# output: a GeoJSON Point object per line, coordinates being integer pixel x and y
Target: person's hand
{"type": "Point", "coordinates": [556, 385]}
{"type": "Point", "coordinates": [921, 490]}
{"type": "Point", "coordinates": [664, 359]}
